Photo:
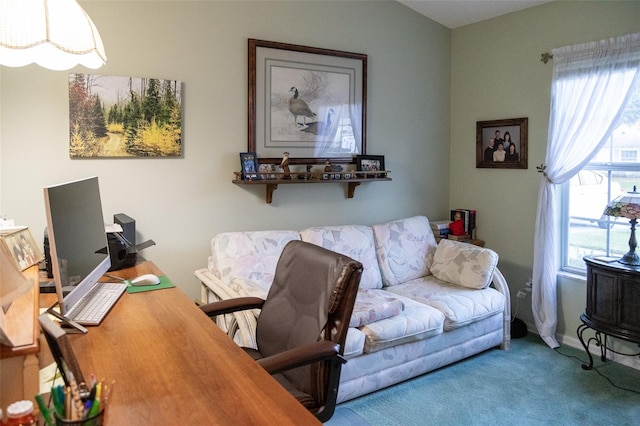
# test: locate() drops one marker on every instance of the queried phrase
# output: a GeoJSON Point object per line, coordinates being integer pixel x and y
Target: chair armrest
{"type": "Point", "coordinates": [228, 306]}
{"type": "Point", "coordinates": [303, 355]}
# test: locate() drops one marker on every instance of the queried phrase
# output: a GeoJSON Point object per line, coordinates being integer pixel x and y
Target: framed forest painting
{"type": "Point", "coordinates": [124, 117]}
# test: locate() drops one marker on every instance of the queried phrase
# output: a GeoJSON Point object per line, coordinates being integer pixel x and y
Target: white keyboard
{"type": "Point", "coordinates": [95, 305]}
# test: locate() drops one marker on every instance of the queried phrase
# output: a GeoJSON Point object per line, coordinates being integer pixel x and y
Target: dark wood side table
{"type": "Point", "coordinates": [613, 305]}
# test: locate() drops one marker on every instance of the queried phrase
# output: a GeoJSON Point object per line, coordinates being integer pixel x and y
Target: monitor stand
{"type": "Point", "coordinates": [69, 325]}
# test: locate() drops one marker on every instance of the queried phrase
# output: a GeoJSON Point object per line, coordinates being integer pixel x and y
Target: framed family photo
{"type": "Point", "coordinates": [307, 101]}
{"type": "Point", "coordinates": [502, 144]}
{"type": "Point", "coordinates": [23, 249]}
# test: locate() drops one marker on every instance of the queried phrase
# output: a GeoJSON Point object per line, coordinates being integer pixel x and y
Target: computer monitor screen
{"type": "Point", "coordinates": [77, 238]}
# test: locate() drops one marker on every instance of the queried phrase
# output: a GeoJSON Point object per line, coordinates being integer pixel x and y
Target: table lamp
{"type": "Point", "coordinates": [12, 285]}
{"type": "Point", "coordinates": [627, 205]}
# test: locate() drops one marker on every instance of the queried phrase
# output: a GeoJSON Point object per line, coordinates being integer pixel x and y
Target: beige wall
{"type": "Point", "coordinates": [497, 73]}
{"type": "Point", "coordinates": [182, 203]}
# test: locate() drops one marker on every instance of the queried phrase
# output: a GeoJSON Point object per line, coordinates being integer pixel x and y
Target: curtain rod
{"type": "Point", "coordinates": [546, 57]}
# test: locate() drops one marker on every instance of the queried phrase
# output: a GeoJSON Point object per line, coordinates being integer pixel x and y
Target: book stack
{"type": "Point", "coordinates": [440, 229]}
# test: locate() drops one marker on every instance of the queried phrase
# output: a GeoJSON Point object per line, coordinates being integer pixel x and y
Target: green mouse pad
{"type": "Point", "coordinates": [164, 283]}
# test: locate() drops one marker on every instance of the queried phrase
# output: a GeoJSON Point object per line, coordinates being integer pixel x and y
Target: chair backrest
{"type": "Point", "coordinates": [311, 299]}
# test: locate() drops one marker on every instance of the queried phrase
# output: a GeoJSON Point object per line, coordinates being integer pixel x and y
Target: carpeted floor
{"type": "Point", "coordinates": [528, 385]}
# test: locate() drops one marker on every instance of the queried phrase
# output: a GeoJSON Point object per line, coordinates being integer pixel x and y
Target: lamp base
{"type": "Point", "coordinates": [631, 258]}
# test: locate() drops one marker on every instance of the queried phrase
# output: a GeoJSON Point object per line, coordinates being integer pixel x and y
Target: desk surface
{"type": "Point", "coordinates": [172, 365]}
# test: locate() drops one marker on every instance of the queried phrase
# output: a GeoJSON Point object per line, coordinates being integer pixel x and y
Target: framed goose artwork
{"type": "Point", "coordinates": [307, 101]}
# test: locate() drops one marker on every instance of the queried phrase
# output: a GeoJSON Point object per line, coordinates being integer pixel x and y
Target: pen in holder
{"type": "Point", "coordinates": [96, 420]}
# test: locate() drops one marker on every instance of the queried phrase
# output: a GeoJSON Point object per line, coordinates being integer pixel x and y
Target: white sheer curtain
{"type": "Point", "coordinates": [591, 85]}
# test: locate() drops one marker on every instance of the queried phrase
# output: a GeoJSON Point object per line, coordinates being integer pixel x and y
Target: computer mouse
{"type": "Point", "coordinates": [147, 279]}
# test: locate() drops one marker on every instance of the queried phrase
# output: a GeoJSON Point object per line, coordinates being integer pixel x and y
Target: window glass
{"type": "Point", "coordinates": [613, 171]}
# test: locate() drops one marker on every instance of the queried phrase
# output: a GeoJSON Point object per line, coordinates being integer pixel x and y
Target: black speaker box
{"type": "Point", "coordinates": [119, 248]}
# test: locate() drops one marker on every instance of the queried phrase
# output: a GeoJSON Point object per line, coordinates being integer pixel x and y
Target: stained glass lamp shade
{"type": "Point", "coordinates": [627, 205]}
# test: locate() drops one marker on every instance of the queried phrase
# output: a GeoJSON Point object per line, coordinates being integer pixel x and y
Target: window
{"type": "Point", "coordinates": [629, 155]}
{"type": "Point", "coordinates": [614, 170]}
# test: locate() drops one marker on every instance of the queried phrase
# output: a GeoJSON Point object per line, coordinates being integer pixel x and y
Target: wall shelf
{"type": "Point", "coordinates": [313, 178]}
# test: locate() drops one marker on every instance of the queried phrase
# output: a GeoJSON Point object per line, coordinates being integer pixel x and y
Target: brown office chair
{"type": "Point", "coordinates": [303, 322]}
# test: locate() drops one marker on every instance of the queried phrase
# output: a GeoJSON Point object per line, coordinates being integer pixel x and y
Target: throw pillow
{"type": "Point", "coordinates": [464, 264]}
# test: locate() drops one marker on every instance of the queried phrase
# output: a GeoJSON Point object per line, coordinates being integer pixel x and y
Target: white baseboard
{"type": "Point", "coordinates": [574, 342]}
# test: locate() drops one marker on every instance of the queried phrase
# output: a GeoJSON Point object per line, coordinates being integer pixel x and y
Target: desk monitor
{"type": "Point", "coordinates": [77, 238]}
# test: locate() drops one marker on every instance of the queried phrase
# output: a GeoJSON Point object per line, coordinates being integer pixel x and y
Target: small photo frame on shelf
{"type": "Point", "coordinates": [249, 166]}
{"type": "Point", "coordinates": [23, 249]}
{"type": "Point", "coordinates": [370, 163]}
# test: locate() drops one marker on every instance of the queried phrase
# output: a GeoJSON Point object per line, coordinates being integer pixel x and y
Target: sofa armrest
{"type": "Point", "coordinates": [500, 284]}
{"type": "Point", "coordinates": [239, 326]}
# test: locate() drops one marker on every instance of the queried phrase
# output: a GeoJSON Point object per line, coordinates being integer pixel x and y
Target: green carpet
{"type": "Point", "coordinates": [528, 385]}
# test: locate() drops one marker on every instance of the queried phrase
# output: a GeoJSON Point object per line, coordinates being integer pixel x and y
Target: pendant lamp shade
{"type": "Point", "coordinates": [55, 34]}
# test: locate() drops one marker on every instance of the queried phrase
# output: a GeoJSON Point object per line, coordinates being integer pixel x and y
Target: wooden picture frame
{"type": "Point", "coordinates": [23, 248]}
{"type": "Point", "coordinates": [249, 165]}
{"type": "Point", "coordinates": [307, 101]}
{"type": "Point", "coordinates": [370, 163]}
{"type": "Point", "coordinates": [60, 347]}
{"type": "Point", "coordinates": [487, 149]}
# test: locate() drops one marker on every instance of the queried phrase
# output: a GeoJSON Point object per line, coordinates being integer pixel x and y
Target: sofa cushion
{"type": "Point", "coordinates": [464, 264]}
{"type": "Point", "coordinates": [373, 306]}
{"type": "Point", "coordinates": [354, 345]}
{"type": "Point", "coordinates": [251, 255]}
{"type": "Point", "coordinates": [460, 305]}
{"type": "Point", "coordinates": [404, 249]}
{"type": "Point", "coordinates": [417, 321]}
{"type": "Point", "coordinates": [355, 241]}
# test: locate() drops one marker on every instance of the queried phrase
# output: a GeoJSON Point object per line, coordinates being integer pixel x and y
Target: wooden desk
{"type": "Point", "coordinates": [172, 365]}
{"type": "Point", "coordinates": [21, 320]}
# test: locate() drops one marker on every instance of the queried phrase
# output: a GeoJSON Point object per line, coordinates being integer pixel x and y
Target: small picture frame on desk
{"type": "Point", "coordinates": [249, 166]}
{"type": "Point", "coordinates": [370, 163]}
{"type": "Point", "coordinates": [62, 352]}
{"type": "Point", "coordinates": [23, 249]}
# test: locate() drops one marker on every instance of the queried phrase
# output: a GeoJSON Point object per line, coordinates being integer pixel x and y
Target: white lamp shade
{"type": "Point", "coordinates": [55, 34]}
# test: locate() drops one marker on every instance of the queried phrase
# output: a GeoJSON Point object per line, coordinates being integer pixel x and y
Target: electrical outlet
{"type": "Point", "coordinates": [521, 294]}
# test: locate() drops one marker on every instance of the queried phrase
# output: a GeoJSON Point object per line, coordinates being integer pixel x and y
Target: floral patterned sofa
{"type": "Point", "coordinates": [421, 305]}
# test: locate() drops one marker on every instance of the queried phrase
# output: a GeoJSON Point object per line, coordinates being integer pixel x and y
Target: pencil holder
{"type": "Point", "coordinates": [97, 420]}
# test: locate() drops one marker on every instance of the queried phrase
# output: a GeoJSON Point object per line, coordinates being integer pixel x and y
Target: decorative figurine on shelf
{"type": "Point", "coordinates": [284, 164]}
{"type": "Point", "coordinates": [308, 174]}
{"type": "Point", "coordinates": [327, 166]}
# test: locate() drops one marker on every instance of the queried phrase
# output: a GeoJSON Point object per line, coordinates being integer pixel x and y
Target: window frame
{"type": "Point", "coordinates": [604, 168]}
